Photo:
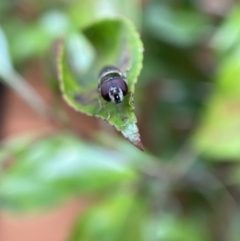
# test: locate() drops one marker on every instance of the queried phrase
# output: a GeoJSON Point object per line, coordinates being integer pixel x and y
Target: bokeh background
{"type": "Point", "coordinates": [68, 176]}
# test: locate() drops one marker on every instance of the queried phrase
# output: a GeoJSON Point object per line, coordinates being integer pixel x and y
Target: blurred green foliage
{"type": "Point", "coordinates": [186, 186]}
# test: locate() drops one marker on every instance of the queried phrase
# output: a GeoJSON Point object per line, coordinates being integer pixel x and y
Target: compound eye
{"type": "Point", "coordinates": [121, 84]}
{"type": "Point", "coordinates": [105, 90]}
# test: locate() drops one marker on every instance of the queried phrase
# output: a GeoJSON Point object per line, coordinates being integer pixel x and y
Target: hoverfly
{"type": "Point", "coordinates": [112, 84]}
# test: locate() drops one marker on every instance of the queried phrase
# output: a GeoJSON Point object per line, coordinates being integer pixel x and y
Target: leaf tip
{"type": "Point", "coordinates": [131, 133]}
{"type": "Point", "coordinates": [139, 145]}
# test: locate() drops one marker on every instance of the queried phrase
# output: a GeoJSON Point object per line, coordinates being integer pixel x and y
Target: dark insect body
{"type": "Point", "coordinates": [112, 85]}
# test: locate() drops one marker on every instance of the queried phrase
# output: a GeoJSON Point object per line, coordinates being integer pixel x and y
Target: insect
{"type": "Point", "coordinates": [112, 85]}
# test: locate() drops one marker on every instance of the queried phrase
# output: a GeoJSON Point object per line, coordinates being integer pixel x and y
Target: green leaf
{"type": "Point", "coordinates": [218, 133]}
{"type": "Point", "coordinates": [120, 217]}
{"type": "Point", "coordinates": [226, 37]}
{"type": "Point", "coordinates": [37, 35]}
{"type": "Point", "coordinates": [51, 170]}
{"type": "Point", "coordinates": [116, 42]}
{"type": "Point", "coordinates": [79, 11]}
{"type": "Point", "coordinates": [174, 227]}
{"type": "Point", "coordinates": [178, 26]}
{"type": "Point", "coordinates": [217, 136]}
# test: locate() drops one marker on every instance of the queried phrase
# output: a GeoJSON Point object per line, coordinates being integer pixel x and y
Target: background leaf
{"type": "Point", "coordinates": [79, 11]}
{"type": "Point", "coordinates": [117, 218]}
{"type": "Point", "coordinates": [50, 170]}
{"type": "Point", "coordinates": [181, 27]}
{"type": "Point", "coordinates": [173, 227]}
{"type": "Point", "coordinates": [217, 135]}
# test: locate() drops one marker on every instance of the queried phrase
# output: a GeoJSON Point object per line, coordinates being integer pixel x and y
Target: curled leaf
{"type": "Point", "coordinates": [115, 42]}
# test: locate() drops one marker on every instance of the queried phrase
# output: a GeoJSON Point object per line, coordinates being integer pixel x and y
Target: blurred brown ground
{"type": "Point", "coordinates": [54, 225]}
